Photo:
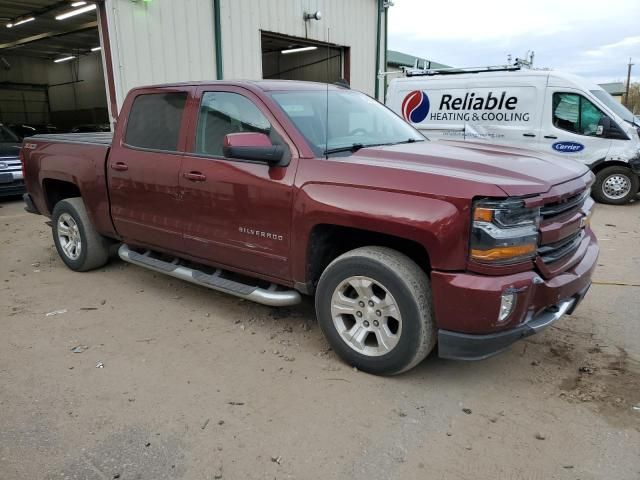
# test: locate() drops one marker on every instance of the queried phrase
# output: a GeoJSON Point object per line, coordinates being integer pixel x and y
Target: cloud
{"type": "Point", "coordinates": [627, 43]}
{"type": "Point", "coordinates": [589, 38]}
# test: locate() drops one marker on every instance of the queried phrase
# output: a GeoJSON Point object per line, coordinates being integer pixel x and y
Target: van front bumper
{"type": "Point", "coordinates": [634, 163]}
{"type": "Point", "coordinates": [466, 306]}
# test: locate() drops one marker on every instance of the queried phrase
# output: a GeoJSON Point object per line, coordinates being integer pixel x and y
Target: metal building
{"type": "Point", "coordinates": [157, 41]}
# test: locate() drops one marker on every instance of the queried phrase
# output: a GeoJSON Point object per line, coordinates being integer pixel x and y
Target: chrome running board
{"type": "Point", "coordinates": [267, 296]}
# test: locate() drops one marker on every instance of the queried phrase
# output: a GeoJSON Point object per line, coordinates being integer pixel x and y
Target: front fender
{"type": "Point", "coordinates": [440, 225]}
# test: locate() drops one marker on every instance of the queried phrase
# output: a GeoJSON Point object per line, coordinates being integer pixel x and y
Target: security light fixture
{"type": "Point", "coordinates": [95, 49]}
{"type": "Point", "coordinates": [77, 11]}
{"type": "Point", "coordinates": [20, 22]}
{"type": "Point", "coordinates": [296, 50]}
{"type": "Point", "coordinates": [312, 16]}
{"type": "Point", "coordinates": [64, 59]}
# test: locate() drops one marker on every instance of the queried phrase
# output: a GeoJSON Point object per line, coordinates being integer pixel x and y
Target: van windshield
{"type": "Point", "coordinates": [617, 107]}
{"type": "Point", "coordinates": [354, 119]}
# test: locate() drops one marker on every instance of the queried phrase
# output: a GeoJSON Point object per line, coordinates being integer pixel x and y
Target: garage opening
{"type": "Point", "coordinates": [292, 58]}
{"type": "Point", "coordinates": [51, 70]}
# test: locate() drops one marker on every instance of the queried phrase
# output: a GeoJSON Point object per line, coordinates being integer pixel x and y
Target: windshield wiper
{"type": "Point", "coordinates": [350, 148]}
{"type": "Point", "coordinates": [409, 140]}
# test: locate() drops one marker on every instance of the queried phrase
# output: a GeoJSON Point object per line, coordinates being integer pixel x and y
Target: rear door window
{"type": "Point", "coordinates": [154, 121]}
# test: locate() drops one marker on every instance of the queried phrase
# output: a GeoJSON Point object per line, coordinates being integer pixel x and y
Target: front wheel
{"type": "Point", "coordinates": [374, 307]}
{"type": "Point", "coordinates": [615, 185]}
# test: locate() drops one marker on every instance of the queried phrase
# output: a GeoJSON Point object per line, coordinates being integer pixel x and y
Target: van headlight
{"type": "Point", "coordinates": [503, 232]}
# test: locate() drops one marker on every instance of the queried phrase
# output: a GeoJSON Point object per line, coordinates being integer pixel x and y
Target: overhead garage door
{"type": "Point", "coordinates": [291, 58]}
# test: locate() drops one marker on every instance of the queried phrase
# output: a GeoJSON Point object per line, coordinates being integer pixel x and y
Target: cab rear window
{"type": "Point", "coordinates": [154, 121]}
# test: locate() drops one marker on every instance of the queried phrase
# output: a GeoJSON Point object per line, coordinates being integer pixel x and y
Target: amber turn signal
{"type": "Point", "coordinates": [483, 214]}
{"type": "Point", "coordinates": [503, 253]}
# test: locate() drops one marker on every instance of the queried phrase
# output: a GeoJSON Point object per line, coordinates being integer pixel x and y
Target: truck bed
{"type": "Point", "coordinates": [92, 138]}
{"type": "Point", "coordinates": [70, 164]}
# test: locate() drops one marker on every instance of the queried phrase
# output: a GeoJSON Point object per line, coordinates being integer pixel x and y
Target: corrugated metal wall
{"type": "Point", "coordinates": [351, 23]}
{"type": "Point", "coordinates": [160, 41]}
{"type": "Point", "coordinates": [169, 40]}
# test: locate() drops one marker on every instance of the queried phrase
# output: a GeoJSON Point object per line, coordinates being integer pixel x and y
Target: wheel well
{"type": "Point", "coordinates": [605, 164]}
{"type": "Point", "coordinates": [56, 190]}
{"type": "Point", "coordinates": [327, 242]}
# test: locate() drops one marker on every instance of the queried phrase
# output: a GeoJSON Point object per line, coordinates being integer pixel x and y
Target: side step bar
{"type": "Point", "coordinates": [269, 296]}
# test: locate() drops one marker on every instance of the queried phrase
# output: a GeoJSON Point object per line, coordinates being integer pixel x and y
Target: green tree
{"type": "Point", "coordinates": [633, 102]}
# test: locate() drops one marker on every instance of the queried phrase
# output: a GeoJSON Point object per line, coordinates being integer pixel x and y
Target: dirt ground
{"type": "Point", "coordinates": [201, 385]}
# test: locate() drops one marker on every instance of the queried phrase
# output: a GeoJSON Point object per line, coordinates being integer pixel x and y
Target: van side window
{"type": "Point", "coordinates": [574, 113]}
{"type": "Point", "coordinates": [154, 121]}
{"type": "Point", "coordinates": [222, 113]}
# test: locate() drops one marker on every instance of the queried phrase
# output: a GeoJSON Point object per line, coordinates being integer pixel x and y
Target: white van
{"type": "Point", "coordinates": [541, 110]}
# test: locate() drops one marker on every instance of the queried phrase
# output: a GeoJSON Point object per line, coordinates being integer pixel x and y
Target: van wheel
{"type": "Point", "coordinates": [374, 307]}
{"type": "Point", "coordinates": [615, 185]}
{"type": "Point", "coordinates": [79, 245]}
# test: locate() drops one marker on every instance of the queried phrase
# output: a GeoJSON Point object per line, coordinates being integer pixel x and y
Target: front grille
{"type": "Point", "coordinates": [553, 252]}
{"type": "Point", "coordinates": [566, 205]}
{"type": "Point", "coordinates": [10, 164]}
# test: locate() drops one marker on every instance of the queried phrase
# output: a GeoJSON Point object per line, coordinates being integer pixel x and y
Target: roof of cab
{"type": "Point", "coordinates": [265, 85]}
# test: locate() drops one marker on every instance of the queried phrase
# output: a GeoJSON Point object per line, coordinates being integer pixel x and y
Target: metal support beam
{"type": "Point", "coordinates": [44, 36]}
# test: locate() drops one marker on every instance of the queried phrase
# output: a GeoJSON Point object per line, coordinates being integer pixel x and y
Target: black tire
{"type": "Point", "coordinates": [599, 193]}
{"type": "Point", "coordinates": [409, 287]}
{"type": "Point", "coordinates": [94, 251]}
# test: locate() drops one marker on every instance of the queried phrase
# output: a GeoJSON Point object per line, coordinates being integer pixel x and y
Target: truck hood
{"type": "Point", "coordinates": [515, 171]}
{"type": "Point", "coordinates": [9, 149]}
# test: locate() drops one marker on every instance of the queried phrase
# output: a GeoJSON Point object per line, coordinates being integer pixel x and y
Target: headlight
{"type": "Point", "coordinates": [503, 232]}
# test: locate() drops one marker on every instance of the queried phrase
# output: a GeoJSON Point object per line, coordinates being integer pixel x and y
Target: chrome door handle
{"type": "Point", "coordinates": [194, 176]}
{"type": "Point", "coordinates": [120, 166]}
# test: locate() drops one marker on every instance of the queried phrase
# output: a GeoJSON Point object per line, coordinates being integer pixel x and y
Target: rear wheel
{"type": "Point", "coordinates": [615, 185]}
{"type": "Point", "coordinates": [80, 247]}
{"type": "Point", "coordinates": [374, 307]}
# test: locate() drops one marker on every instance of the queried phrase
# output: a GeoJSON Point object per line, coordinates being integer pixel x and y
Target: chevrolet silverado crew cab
{"type": "Point", "coordinates": [272, 189]}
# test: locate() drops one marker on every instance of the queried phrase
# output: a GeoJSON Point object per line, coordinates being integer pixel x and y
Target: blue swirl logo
{"type": "Point", "coordinates": [415, 106]}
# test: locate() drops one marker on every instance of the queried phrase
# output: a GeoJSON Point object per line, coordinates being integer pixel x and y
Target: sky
{"type": "Point", "coordinates": [590, 38]}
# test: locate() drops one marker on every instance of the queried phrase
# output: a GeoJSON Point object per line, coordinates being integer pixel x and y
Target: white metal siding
{"type": "Point", "coordinates": [160, 41]}
{"type": "Point", "coordinates": [351, 23]}
{"type": "Point", "coordinates": [169, 40]}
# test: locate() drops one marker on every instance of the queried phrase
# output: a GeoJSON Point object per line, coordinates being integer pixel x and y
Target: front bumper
{"type": "Point", "coordinates": [10, 189]}
{"type": "Point", "coordinates": [466, 305]}
{"type": "Point", "coordinates": [634, 163]}
{"type": "Point", "coordinates": [462, 346]}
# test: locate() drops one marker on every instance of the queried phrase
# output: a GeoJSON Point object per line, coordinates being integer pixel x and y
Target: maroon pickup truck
{"type": "Point", "coordinates": [271, 189]}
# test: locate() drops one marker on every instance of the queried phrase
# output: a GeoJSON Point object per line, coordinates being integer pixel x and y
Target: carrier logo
{"type": "Point", "coordinates": [415, 106]}
{"type": "Point", "coordinates": [567, 147]}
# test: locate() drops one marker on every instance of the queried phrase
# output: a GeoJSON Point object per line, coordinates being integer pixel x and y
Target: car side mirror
{"type": "Point", "coordinates": [604, 127]}
{"type": "Point", "coordinates": [252, 146]}
{"type": "Point", "coordinates": [607, 128]}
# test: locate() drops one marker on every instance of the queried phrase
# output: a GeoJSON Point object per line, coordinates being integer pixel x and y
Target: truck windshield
{"type": "Point", "coordinates": [354, 119]}
{"type": "Point", "coordinates": [617, 107]}
{"type": "Point", "coordinates": [7, 136]}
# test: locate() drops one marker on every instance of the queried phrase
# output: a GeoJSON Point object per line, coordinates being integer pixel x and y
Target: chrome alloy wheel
{"type": "Point", "coordinates": [69, 236]}
{"type": "Point", "coordinates": [366, 316]}
{"type": "Point", "coordinates": [616, 186]}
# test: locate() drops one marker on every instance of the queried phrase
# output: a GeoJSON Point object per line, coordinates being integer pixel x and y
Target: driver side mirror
{"type": "Point", "coordinates": [607, 128]}
{"type": "Point", "coordinates": [252, 146]}
{"type": "Point", "coordinates": [603, 127]}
